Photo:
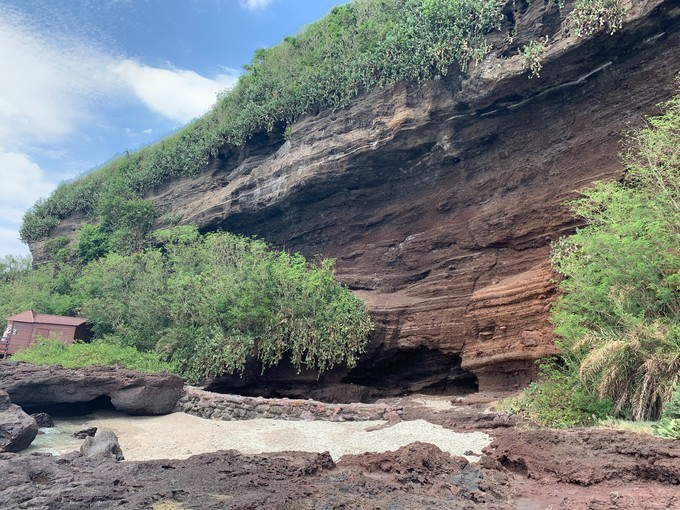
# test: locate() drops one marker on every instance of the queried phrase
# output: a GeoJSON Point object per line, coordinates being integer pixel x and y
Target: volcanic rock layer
{"type": "Point", "coordinates": [440, 199]}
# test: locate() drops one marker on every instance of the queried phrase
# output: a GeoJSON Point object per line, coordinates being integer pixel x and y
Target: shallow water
{"type": "Point", "coordinates": [59, 439]}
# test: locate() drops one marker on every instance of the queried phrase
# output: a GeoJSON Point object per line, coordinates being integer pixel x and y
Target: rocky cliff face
{"type": "Point", "coordinates": [439, 200]}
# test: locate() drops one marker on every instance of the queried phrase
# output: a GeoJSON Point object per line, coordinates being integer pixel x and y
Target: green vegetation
{"type": "Point", "coordinates": [560, 399]}
{"type": "Point", "coordinates": [530, 56]}
{"type": "Point", "coordinates": [618, 317]}
{"type": "Point", "coordinates": [591, 16]}
{"type": "Point", "coordinates": [205, 304]}
{"type": "Point", "coordinates": [669, 424]}
{"type": "Point", "coordinates": [12, 266]}
{"type": "Point", "coordinates": [47, 289]}
{"type": "Point", "coordinates": [357, 47]}
{"type": "Point", "coordinates": [79, 355]}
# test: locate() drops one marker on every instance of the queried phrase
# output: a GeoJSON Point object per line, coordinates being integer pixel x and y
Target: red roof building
{"type": "Point", "coordinates": [23, 329]}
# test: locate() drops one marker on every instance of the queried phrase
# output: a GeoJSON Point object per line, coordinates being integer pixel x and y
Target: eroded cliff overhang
{"type": "Point", "coordinates": [440, 199]}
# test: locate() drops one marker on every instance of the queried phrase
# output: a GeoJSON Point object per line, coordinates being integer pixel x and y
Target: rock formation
{"type": "Point", "coordinates": [439, 200]}
{"type": "Point", "coordinates": [17, 429]}
{"type": "Point", "coordinates": [54, 388]}
{"type": "Point", "coordinates": [103, 445]}
{"type": "Point", "coordinates": [580, 469]}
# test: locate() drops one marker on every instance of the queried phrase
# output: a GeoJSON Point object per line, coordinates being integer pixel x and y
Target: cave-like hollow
{"type": "Point", "coordinates": [67, 409]}
{"type": "Point", "coordinates": [383, 374]}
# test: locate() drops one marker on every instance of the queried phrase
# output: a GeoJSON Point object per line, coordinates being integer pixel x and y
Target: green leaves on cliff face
{"type": "Point", "coordinates": [207, 304]}
{"type": "Point", "coordinates": [355, 48]}
{"type": "Point", "coordinates": [591, 16]}
{"type": "Point", "coordinates": [619, 314]}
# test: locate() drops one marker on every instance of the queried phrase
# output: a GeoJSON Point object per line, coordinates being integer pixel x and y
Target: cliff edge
{"type": "Point", "coordinates": [440, 199]}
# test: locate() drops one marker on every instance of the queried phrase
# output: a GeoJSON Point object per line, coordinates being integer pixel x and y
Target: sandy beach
{"type": "Point", "coordinates": [179, 436]}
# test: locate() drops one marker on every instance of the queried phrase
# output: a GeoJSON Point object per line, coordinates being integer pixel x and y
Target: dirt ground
{"type": "Point", "coordinates": [523, 468]}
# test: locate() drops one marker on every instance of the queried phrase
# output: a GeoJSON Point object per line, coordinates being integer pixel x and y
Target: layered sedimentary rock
{"type": "Point", "coordinates": [440, 200]}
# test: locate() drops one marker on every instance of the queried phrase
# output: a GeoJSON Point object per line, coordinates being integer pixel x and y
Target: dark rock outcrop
{"type": "Point", "coordinates": [17, 429]}
{"type": "Point", "coordinates": [440, 200]}
{"type": "Point", "coordinates": [103, 445]}
{"type": "Point", "coordinates": [82, 434]}
{"type": "Point", "coordinates": [43, 420]}
{"type": "Point", "coordinates": [579, 470]}
{"type": "Point", "coordinates": [53, 388]}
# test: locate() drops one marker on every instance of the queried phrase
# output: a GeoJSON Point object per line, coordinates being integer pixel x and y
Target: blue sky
{"type": "Point", "coordinates": [84, 80]}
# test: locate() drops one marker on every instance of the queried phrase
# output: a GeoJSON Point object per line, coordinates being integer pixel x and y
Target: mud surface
{"type": "Point", "coordinates": [523, 468]}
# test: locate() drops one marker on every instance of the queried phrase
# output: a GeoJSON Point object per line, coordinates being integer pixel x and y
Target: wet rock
{"type": "Point", "coordinates": [43, 420]}
{"type": "Point", "coordinates": [82, 434]}
{"type": "Point", "coordinates": [103, 445]}
{"type": "Point", "coordinates": [17, 429]}
{"type": "Point", "coordinates": [38, 387]}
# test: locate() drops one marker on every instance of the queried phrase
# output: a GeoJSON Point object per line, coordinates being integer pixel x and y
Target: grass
{"type": "Point", "coordinates": [79, 355]}
{"type": "Point", "coordinates": [641, 427]}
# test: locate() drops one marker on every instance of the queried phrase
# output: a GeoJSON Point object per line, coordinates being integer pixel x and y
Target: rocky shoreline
{"type": "Point", "coordinates": [523, 467]}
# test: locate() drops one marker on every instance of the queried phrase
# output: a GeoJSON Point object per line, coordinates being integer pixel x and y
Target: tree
{"type": "Point", "coordinates": [619, 312]}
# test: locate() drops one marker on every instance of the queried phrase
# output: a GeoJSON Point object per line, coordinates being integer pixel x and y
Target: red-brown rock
{"type": "Point", "coordinates": [440, 199]}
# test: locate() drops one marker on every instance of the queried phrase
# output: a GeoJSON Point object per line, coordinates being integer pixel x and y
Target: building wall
{"type": "Point", "coordinates": [26, 333]}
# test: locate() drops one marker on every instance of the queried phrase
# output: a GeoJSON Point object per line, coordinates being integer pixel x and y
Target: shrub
{"type": "Point", "coordinates": [530, 56]}
{"type": "Point", "coordinates": [13, 267]}
{"type": "Point", "coordinates": [559, 399]}
{"type": "Point", "coordinates": [591, 16]}
{"type": "Point", "coordinates": [210, 303]}
{"type": "Point", "coordinates": [619, 312]}
{"type": "Point", "coordinates": [79, 355]}
{"type": "Point", "coordinates": [669, 425]}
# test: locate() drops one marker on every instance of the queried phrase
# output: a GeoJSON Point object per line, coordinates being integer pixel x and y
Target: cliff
{"type": "Point", "coordinates": [440, 199]}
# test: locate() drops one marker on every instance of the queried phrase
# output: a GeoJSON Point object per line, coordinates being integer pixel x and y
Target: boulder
{"type": "Point", "coordinates": [43, 420]}
{"type": "Point", "coordinates": [17, 429]}
{"type": "Point", "coordinates": [103, 445]}
{"type": "Point", "coordinates": [82, 434]}
{"type": "Point", "coordinates": [131, 392]}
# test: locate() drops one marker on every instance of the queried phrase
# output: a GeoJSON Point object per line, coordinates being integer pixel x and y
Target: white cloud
{"type": "Point", "coordinates": [42, 83]}
{"type": "Point", "coordinates": [10, 243]}
{"type": "Point", "coordinates": [23, 182]}
{"type": "Point", "coordinates": [255, 4]}
{"type": "Point", "coordinates": [51, 87]}
{"type": "Point", "coordinates": [176, 94]}
{"type": "Point", "coordinates": [51, 84]}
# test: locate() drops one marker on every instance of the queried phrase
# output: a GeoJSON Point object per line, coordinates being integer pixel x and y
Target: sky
{"type": "Point", "coordinates": [82, 81]}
